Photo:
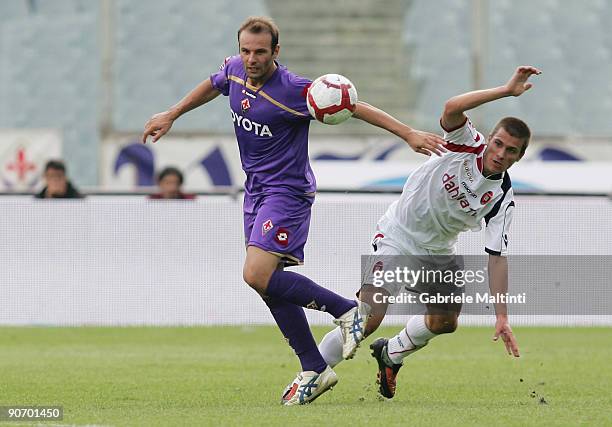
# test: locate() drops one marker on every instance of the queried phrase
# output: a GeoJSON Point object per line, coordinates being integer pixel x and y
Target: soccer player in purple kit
{"type": "Point", "coordinates": [271, 122]}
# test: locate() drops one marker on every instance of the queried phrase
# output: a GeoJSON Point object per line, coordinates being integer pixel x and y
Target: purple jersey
{"type": "Point", "coordinates": [271, 125]}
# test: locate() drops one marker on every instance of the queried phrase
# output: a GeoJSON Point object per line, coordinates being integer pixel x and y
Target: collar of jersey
{"type": "Point", "coordinates": [261, 92]}
{"type": "Point", "coordinates": [254, 89]}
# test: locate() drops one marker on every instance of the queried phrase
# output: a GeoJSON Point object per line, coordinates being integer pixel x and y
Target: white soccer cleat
{"type": "Point", "coordinates": [352, 325]}
{"type": "Point", "coordinates": [309, 385]}
{"type": "Point", "coordinates": [290, 389]}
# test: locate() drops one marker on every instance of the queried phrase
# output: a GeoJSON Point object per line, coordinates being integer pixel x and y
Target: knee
{"type": "Point", "coordinates": [442, 324]}
{"type": "Point", "coordinates": [257, 276]}
{"type": "Point", "coordinates": [258, 268]}
{"type": "Point", "coordinates": [253, 277]}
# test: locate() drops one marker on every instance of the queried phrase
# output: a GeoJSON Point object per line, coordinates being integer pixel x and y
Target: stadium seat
{"type": "Point", "coordinates": [51, 72]}
{"type": "Point", "coordinates": [166, 48]}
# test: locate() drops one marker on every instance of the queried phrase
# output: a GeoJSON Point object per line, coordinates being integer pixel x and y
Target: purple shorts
{"type": "Point", "coordinates": [278, 223]}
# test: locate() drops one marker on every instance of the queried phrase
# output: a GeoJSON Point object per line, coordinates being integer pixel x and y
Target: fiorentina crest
{"type": "Point", "coordinates": [266, 226]}
{"type": "Point", "coordinates": [245, 104]}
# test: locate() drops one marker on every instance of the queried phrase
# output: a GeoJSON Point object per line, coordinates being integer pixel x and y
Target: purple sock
{"type": "Point", "coordinates": [292, 322]}
{"type": "Point", "coordinates": [300, 290]}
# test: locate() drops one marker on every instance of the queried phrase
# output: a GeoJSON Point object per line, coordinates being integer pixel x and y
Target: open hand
{"type": "Point", "coordinates": [518, 84]}
{"type": "Point", "coordinates": [425, 142]}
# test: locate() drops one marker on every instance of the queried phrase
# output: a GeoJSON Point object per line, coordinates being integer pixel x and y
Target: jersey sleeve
{"type": "Point", "coordinates": [220, 80]}
{"type": "Point", "coordinates": [498, 225]}
{"type": "Point", "coordinates": [297, 97]}
{"type": "Point", "coordinates": [466, 134]}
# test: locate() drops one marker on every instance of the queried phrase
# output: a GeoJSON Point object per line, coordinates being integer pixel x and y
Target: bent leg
{"type": "Point", "coordinates": [420, 329]}
{"type": "Point", "coordinates": [290, 318]}
{"type": "Point", "coordinates": [261, 274]}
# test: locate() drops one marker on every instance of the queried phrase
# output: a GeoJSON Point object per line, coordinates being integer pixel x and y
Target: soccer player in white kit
{"type": "Point", "coordinates": [442, 198]}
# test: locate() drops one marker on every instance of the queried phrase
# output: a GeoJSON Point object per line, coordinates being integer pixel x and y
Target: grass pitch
{"type": "Point", "coordinates": [234, 376]}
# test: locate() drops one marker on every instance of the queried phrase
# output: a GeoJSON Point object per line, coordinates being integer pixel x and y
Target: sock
{"type": "Point", "coordinates": [300, 290]}
{"type": "Point", "coordinates": [331, 347]}
{"type": "Point", "coordinates": [292, 322]}
{"type": "Point", "coordinates": [410, 339]}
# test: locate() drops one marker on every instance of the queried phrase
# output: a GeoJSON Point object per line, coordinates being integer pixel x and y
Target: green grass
{"type": "Point", "coordinates": [234, 376]}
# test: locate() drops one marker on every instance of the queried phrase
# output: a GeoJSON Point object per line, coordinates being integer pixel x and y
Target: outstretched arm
{"type": "Point", "coordinates": [160, 123]}
{"type": "Point", "coordinates": [498, 284]}
{"type": "Point", "coordinates": [455, 107]}
{"type": "Point", "coordinates": [421, 142]}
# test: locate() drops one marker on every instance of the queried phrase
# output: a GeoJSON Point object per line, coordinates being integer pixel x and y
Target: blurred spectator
{"type": "Point", "coordinates": [169, 181]}
{"type": "Point", "coordinates": [57, 184]}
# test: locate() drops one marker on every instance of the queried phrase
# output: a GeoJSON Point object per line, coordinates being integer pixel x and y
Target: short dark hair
{"type": "Point", "coordinates": [55, 164]}
{"type": "Point", "coordinates": [170, 171]}
{"type": "Point", "coordinates": [258, 25]}
{"type": "Point", "coordinates": [516, 128]}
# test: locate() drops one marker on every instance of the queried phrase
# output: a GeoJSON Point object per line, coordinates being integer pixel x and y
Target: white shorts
{"type": "Point", "coordinates": [392, 249]}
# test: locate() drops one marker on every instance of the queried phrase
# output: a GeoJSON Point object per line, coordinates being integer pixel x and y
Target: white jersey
{"type": "Point", "coordinates": [447, 195]}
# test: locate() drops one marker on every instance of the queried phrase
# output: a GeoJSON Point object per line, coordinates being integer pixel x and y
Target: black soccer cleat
{"type": "Point", "coordinates": [387, 370]}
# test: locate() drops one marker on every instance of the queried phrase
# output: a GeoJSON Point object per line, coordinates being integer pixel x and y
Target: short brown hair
{"type": "Point", "coordinates": [170, 170]}
{"type": "Point", "coordinates": [258, 25]}
{"type": "Point", "coordinates": [55, 165]}
{"type": "Point", "coordinates": [516, 128]}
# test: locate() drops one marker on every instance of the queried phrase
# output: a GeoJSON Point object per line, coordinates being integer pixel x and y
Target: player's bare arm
{"type": "Point", "coordinates": [455, 107]}
{"type": "Point", "coordinates": [498, 283]}
{"type": "Point", "coordinates": [422, 142]}
{"type": "Point", "coordinates": [160, 123]}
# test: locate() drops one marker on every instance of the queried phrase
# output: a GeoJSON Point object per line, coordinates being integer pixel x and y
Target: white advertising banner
{"type": "Point", "coordinates": [213, 163]}
{"type": "Point", "coordinates": [23, 154]}
{"type": "Point", "coordinates": [132, 261]}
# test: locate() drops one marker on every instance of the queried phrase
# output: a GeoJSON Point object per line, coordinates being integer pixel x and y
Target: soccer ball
{"type": "Point", "coordinates": [331, 99]}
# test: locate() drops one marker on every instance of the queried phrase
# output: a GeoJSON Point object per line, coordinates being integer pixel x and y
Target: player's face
{"type": "Point", "coordinates": [503, 150]}
{"type": "Point", "coordinates": [257, 55]}
{"type": "Point", "coordinates": [56, 182]}
{"type": "Point", "coordinates": [170, 186]}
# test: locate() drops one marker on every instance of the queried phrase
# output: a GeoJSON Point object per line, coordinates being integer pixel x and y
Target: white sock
{"type": "Point", "coordinates": [410, 339]}
{"type": "Point", "coordinates": [331, 347]}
